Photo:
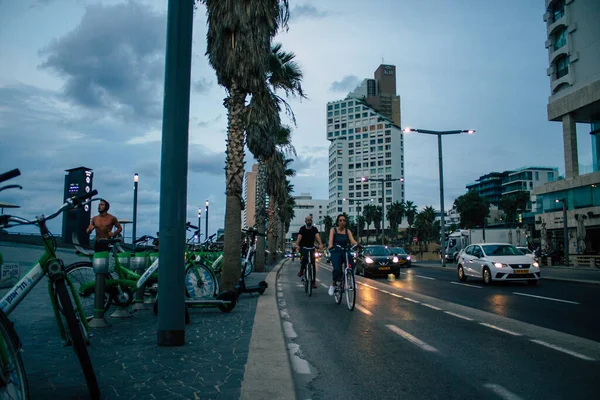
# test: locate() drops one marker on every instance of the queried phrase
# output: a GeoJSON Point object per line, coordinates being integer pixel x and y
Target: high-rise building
{"type": "Point", "coordinates": [249, 197]}
{"type": "Point", "coordinates": [366, 142]}
{"type": "Point", "coordinates": [574, 70]}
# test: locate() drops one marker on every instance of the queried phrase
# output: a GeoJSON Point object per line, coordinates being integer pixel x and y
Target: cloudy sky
{"type": "Point", "coordinates": [81, 84]}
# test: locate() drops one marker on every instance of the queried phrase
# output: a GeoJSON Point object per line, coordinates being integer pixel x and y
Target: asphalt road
{"type": "Point", "coordinates": [424, 337]}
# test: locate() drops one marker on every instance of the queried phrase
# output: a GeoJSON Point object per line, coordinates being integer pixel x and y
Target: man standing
{"type": "Point", "coordinates": [104, 223]}
{"type": "Point", "coordinates": [306, 238]}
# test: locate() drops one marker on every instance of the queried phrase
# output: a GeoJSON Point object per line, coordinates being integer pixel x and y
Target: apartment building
{"type": "Point", "coordinates": [249, 197]}
{"type": "Point", "coordinates": [573, 40]}
{"type": "Point", "coordinates": [367, 146]}
{"type": "Point", "coordinates": [306, 205]}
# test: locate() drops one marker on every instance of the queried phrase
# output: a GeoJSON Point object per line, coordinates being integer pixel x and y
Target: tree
{"type": "Point", "coordinates": [361, 223]}
{"type": "Point", "coordinates": [512, 203]}
{"type": "Point", "coordinates": [239, 50]}
{"type": "Point", "coordinates": [473, 209]}
{"type": "Point", "coordinates": [369, 212]}
{"type": "Point", "coordinates": [377, 219]}
{"type": "Point", "coordinates": [395, 215]}
{"type": "Point", "coordinates": [328, 222]}
{"type": "Point", "coordinates": [410, 210]}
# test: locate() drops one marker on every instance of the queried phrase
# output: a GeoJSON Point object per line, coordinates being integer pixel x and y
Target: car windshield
{"type": "Point", "coordinates": [398, 250]}
{"type": "Point", "coordinates": [525, 250]}
{"type": "Point", "coordinates": [501, 250]}
{"type": "Point", "coordinates": [377, 251]}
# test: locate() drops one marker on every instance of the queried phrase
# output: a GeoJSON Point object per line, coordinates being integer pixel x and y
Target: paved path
{"type": "Point", "coordinates": [126, 358]}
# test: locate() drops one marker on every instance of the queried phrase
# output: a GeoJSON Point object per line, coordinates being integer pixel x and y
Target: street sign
{"type": "Point", "coordinates": [416, 240]}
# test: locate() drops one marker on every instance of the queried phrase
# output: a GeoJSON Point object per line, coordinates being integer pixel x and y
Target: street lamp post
{"type": "Point", "coordinates": [135, 198]}
{"type": "Point", "coordinates": [199, 223]}
{"type": "Point", "coordinates": [441, 168]}
{"type": "Point", "coordinates": [382, 180]}
{"type": "Point", "coordinates": [565, 229]}
{"type": "Point", "coordinates": [206, 216]}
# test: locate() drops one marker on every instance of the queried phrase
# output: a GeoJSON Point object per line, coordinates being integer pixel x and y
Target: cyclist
{"type": "Point", "coordinates": [104, 223]}
{"type": "Point", "coordinates": [341, 236]}
{"type": "Point", "coordinates": [306, 238]}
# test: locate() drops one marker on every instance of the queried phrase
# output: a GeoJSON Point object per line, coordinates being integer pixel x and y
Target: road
{"type": "Point", "coordinates": [425, 336]}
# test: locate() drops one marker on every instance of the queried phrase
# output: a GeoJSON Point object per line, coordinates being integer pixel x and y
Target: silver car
{"type": "Point", "coordinates": [497, 262]}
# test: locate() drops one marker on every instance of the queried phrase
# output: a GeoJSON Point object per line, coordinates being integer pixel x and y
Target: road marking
{"type": "Point", "coordinates": [324, 285]}
{"type": "Point", "coordinates": [502, 392]}
{"type": "Point", "coordinates": [411, 300]}
{"type": "Point", "coordinates": [500, 329]}
{"type": "Point", "coordinates": [546, 298]}
{"type": "Point", "coordinates": [363, 310]}
{"type": "Point", "coordinates": [574, 354]}
{"type": "Point", "coordinates": [425, 277]}
{"type": "Point", "coordinates": [411, 338]}
{"type": "Point", "coordinates": [465, 284]}
{"type": "Point", "coordinates": [397, 295]}
{"type": "Point", "coordinates": [432, 307]}
{"type": "Point", "coordinates": [458, 316]}
{"type": "Point", "coordinates": [289, 331]}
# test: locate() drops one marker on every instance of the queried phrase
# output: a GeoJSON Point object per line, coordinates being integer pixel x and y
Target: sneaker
{"type": "Point", "coordinates": [331, 290]}
{"type": "Point", "coordinates": [314, 285]}
{"type": "Point", "coordinates": [300, 273]}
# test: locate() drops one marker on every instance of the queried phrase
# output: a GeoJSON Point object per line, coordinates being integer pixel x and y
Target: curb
{"type": "Point", "coordinates": [557, 279]}
{"type": "Point", "coordinates": [268, 374]}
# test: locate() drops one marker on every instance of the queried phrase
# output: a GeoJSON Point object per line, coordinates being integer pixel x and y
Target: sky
{"type": "Point", "coordinates": [81, 84]}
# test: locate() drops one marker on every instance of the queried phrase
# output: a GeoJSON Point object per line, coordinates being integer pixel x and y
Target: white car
{"type": "Point", "coordinates": [497, 262]}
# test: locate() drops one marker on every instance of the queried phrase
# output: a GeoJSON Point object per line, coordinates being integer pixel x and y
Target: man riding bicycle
{"type": "Point", "coordinates": [306, 238]}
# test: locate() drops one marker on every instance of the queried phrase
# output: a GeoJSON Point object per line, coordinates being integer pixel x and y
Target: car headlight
{"type": "Point", "coordinates": [535, 265]}
{"type": "Point", "coordinates": [369, 260]}
{"type": "Point", "coordinates": [395, 259]}
{"type": "Point", "coordinates": [408, 258]}
{"type": "Point", "coordinates": [500, 265]}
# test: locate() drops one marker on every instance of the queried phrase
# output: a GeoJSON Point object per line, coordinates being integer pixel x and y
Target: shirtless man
{"type": "Point", "coordinates": [104, 224]}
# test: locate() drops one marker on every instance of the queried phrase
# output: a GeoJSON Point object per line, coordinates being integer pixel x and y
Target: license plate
{"type": "Point", "coordinates": [384, 268]}
{"type": "Point", "coordinates": [521, 271]}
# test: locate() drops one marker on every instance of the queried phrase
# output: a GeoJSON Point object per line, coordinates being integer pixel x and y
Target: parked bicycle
{"type": "Point", "coordinates": [13, 379]}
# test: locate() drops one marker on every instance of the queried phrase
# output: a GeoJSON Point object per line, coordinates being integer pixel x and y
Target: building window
{"type": "Point", "coordinates": [343, 105]}
{"type": "Point", "coordinates": [336, 113]}
{"type": "Point", "coordinates": [556, 10]}
{"type": "Point", "coordinates": [330, 107]}
{"type": "Point", "coordinates": [537, 176]}
{"type": "Point", "coordinates": [559, 38]}
{"type": "Point", "coordinates": [561, 66]}
{"type": "Point", "coordinates": [336, 106]}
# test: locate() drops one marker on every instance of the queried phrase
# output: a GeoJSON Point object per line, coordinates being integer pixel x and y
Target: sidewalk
{"type": "Point", "coordinates": [214, 363]}
{"type": "Point", "coordinates": [555, 273]}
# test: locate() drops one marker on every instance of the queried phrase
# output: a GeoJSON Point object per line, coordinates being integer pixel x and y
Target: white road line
{"type": "Point", "coordinates": [500, 329]}
{"type": "Point", "coordinates": [324, 285]}
{"type": "Point", "coordinates": [363, 310]}
{"type": "Point", "coordinates": [411, 300]}
{"type": "Point", "coordinates": [289, 331]}
{"type": "Point", "coordinates": [425, 277]}
{"type": "Point", "coordinates": [411, 338]}
{"type": "Point", "coordinates": [546, 298]}
{"type": "Point", "coordinates": [502, 392]}
{"type": "Point", "coordinates": [432, 307]}
{"type": "Point", "coordinates": [466, 284]}
{"type": "Point", "coordinates": [574, 354]}
{"type": "Point", "coordinates": [397, 295]}
{"type": "Point", "coordinates": [458, 316]}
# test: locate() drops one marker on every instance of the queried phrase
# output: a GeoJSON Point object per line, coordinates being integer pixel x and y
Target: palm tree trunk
{"type": "Point", "coordinates": [271, 230]}
{"type": "Point", "coordinates": [260, 215]}
{"type": "Point", "coordinates": [235, 174]}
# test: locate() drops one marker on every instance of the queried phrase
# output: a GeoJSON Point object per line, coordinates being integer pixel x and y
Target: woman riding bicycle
{"type": "Point", "coordinates": [339, 235]}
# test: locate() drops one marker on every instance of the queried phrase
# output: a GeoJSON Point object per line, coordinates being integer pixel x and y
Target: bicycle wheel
{"type": "Point", "coordinates": [80, 273]}
{"type": "Point", "coordinates": [350, 290]}
{"type": "Point", "coordinates": [76, 336]}
{"type": "Point", "coordinates": [200, 282]}
{"type": "Point", "coordinates": [339, 291]}
{"type": "Point", "coordinates": [309, 278]}
{"type": "Point", "coordinates": [13, 380]}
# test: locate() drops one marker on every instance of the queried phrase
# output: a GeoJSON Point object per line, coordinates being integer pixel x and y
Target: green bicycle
{"type": "Point", "coordinates": [13, 379]}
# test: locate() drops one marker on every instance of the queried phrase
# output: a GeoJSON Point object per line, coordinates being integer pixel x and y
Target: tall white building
{"type": "Point", "coordinates": [306, 205]}
{"type": "Point", "coordinates": [366, 142]}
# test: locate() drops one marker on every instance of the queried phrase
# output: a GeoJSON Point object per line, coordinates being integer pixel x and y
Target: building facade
{"type": "Point", "coordinates": [489, 186]}
{"type": "Point", "coordinates": [306, 205]}
{"type": "Point", "coordinates": [574, 72]}
{"type": "Point", "coordinates": [366, 145]}
{"type": "Point", "coordinates": [249, 197]}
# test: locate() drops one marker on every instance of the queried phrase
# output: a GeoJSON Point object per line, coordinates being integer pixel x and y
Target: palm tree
{"type": "Point", "coordinates": [277, 188]}
{"type": "Point", "coordinates": [361, 223]}
{"type": "Point", "coordinates": [328, 222]}
{"type": "Point", "coordinates": [239, 49]}
{"type": "Point", "coordinates": [429, 216]}
{"type": "Point", "coordinates": [410, 212]}
{"type": "Point", "coordinates": [377, 219]}
{"type": "Point", "coordinates": [395, 215]}
{"type": "Point", "coordinates": [369, 212]}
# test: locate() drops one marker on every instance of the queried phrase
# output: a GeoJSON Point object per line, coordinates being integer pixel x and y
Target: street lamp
{"type": "Point", "coordinates": [565, 229]}
{"type": "Point", "coordinates": [206, 216]}
{"type": "Point", "coordinates": [382, 180]}
{"type": "Point", "coordinates": [135, 197]}
{"type": "Point", "coordinates": [443, 213]}
{"type": "Point", "coordinates": [199, 223]}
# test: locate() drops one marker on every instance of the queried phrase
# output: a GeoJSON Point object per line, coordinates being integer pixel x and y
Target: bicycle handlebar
{"type": "Point", "coordinates": [11, 187]}
{"type": "Point", "coordinates": [13, 173]}
{"type": "Point", "coordinates": [188, 226]}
